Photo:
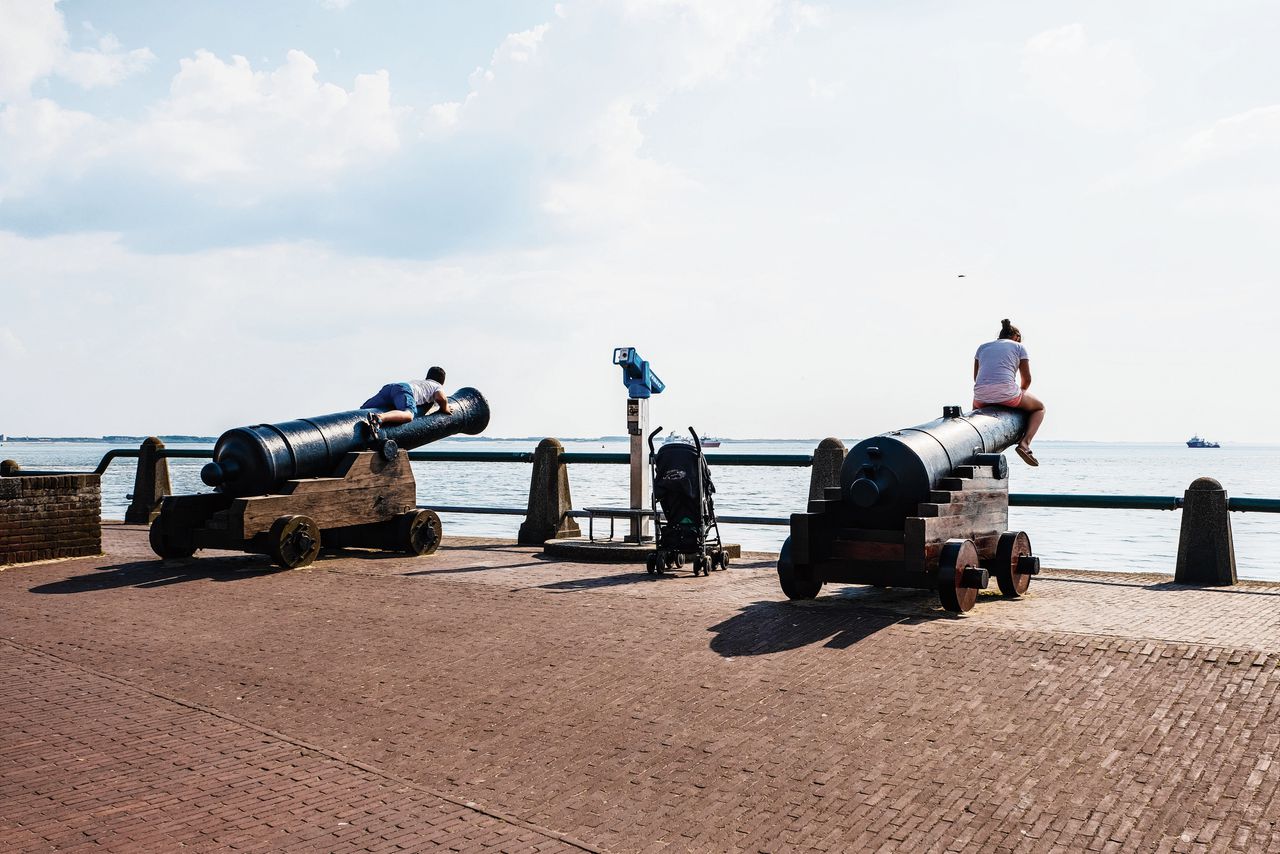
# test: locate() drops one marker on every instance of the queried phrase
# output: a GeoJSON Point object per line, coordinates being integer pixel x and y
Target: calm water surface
{"type": "Point", "coordinates": [1116, 540]}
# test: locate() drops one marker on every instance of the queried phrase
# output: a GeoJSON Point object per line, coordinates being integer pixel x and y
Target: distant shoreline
{"type": "Point", "coordinates": [849, 442]}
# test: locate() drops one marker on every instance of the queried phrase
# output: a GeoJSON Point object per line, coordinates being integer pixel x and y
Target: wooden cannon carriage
{"type": "Point", "coordinates": [286, 490]}
{"type": "Point", "coordinates": [926, 507]}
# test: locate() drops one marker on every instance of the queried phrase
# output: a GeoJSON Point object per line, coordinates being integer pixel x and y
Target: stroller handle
{"type": "Point", "coordinates": [651, 435]}
{"type": "Point", "coordinates": [697, 443]}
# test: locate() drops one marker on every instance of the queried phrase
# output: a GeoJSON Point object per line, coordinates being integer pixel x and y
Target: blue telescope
{"type": "Point", "coordinates": [637, 376]}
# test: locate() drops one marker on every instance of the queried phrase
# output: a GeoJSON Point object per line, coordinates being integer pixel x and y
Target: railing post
{"type": "Point", "coordinates": [1206, 554]}
{"type": "Point", "coordinates": [549, 499]}
{"type": "Point", "coordinates": [828, 459]}
{"type": "Point", "coordinates": [150, 484]}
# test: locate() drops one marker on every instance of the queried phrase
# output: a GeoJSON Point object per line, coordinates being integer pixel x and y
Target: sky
{"type": "Point", "coordinates": [805, 215]}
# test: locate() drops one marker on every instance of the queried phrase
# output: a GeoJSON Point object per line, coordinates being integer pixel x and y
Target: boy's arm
{"type": "Point", "coordinates": [443, 401]}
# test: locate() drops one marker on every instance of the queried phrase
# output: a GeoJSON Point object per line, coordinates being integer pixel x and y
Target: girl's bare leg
{"type": "Point", "coordinates": [1031, 404]}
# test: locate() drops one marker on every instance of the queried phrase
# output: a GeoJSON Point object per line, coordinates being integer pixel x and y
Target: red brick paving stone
{"type": "Point", "coordinates": [90, 763]}
{"type": "Point", "coordinates": [704, 714]}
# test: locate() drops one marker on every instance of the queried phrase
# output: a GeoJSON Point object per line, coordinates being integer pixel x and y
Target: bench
{"type": "Point", "coordinates": [611, 513]}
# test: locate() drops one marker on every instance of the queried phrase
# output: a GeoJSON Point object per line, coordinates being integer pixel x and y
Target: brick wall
{"type": "Point", "coordinates": [49, 516]}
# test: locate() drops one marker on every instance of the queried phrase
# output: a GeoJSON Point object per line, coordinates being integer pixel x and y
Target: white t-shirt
{"type": "Point", "coordinates": [424, 391]}
{"type": "Point", "coordinates": [997, 379]}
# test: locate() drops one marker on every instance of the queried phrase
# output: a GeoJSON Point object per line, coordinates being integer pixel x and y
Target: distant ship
{"type": "Point", "coordinates": [707, 441]}
{"type": "Point", "coordinates": [1197, 442]}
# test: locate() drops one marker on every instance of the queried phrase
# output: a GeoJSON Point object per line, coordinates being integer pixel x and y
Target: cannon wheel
{"type": "Point", "coordinates": [294, 541]}
{"type": "Point", "coordinates": [1012, 545]}
{"type": "Point", "coordinates": [792, 584]}
{"type": "Point", "coordinates": [168, 546]}
{"type": "Point", "coordinates": [956, 556]}
{"type": "Point", "coordinates": [418, 532]}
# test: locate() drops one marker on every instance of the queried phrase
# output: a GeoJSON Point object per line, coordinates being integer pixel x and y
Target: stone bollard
{"type": "Point", "coordinates": [1206, 554]}
{"type": "Point", "coordinates": [828, 459]}
{"type": "Point", "coordinates": [10, 468]}
{"type": "Point", "coordinates": [549, 499]}
{"type": "Point", "coordinates": [150, 484]}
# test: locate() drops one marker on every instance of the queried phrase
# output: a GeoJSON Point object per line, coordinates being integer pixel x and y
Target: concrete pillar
{"type": "Point", "coordinates": [828, 458]}
{"type": "Point", "coordinates": [549, 498]}
{"type": "Point", "coordinates": [150, 484]}
{"type": "Point", "coordinates": [10, 468]}
{"type": "Point", "coordinates": [1206, 554]}
{"type": "Point", "coordinates": [641, 488]}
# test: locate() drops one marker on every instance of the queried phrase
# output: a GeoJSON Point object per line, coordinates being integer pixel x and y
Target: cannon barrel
{"type": "Point", "coordinates": [259, 459]}
{"type": "Point", "coordinates": [885, 477]}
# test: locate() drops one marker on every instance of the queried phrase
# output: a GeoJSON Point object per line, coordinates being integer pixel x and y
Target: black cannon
{"type": "Point", "coordinates": [336, 480]}
{"type": "Point", "coordinates": [924, 507]}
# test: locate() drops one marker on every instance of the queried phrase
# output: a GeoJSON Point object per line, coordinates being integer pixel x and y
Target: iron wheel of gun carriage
{"type": "Point", "coordinates": [926, 507]}
{"type": "Point", "coordinates": [682, 487]}
{"type": "Point", "coordinates": [334, 481]}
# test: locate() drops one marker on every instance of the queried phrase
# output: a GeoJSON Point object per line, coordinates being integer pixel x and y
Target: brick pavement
{"type": "Point", "coordinates": [1103, 713]}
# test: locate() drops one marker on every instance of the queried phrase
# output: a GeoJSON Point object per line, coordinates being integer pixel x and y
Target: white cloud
{"type": "Point", "coordinates": [577, 90]}
{"type": "Point", "coordinates": [1244, 133]}
{"type": "Point", "coordinates": [520, 47]}
{"type": "Point", "coordinates": [616, 182]}
{"type": "Point", "coordinates": [11, 346]}
{"type": "Point", "coordinates": [1096, 85]}
{"type": "Point", "coordinates": [40, 140]}
{"type": "Point", "coordinates": [33, 37]}
{"type": "Point", "coordinates": [34, 45]}
{"type": "Point", "coordinates": [105, 66]}
{"type": "Point", "coordinates": [223, 120]}
{"type": "Point", "coordinates": [256, 132]}
{"type": "Point", "coordinates": [1246, 145]}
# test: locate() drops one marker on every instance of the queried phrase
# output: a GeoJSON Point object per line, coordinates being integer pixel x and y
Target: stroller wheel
{"type": "Point", "coordinates": [677, 559]}
{"type": "Point", "coordinates": [700, 565]}
{"type": "Point", "coordinates": [651, 565]}
{"type": "Point", "coordinates": [724, 559]}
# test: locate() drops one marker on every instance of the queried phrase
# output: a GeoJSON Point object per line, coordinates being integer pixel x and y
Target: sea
{"type": "Point", "coordinates": [1100, 540]}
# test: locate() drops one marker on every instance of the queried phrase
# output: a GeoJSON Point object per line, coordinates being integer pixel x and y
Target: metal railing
{"type": "Point", "coordinates": [1016, 499]}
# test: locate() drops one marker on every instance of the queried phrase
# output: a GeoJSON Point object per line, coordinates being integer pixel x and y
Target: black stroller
{"type": "Point", "coordinates": [682, 485]}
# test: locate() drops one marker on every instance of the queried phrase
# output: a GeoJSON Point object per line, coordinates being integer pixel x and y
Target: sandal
{"type": "Point", "coordinates": [1027, 457]}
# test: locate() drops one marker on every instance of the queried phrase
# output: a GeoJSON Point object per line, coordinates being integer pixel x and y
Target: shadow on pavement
{"type": "Point", "coordinates": [1173, 587]}
{"type": "Point", "coordinates": [637, 576]}
{"type": "Point", "coordinates": [762, 628]}
{"type": "Point", "coordinates": [466, 569]}
{"type": "Point", "coordinates": [160, 573]}
{"type": "Point", "coordinates": [1164, 586]}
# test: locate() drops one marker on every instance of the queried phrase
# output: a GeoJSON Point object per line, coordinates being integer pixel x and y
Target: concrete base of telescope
{"type": "Point", "coordinates": [612, 551]}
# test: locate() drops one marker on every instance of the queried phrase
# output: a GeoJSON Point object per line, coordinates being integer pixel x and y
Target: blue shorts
{"type": "Point", "coordinates": [393, 396]}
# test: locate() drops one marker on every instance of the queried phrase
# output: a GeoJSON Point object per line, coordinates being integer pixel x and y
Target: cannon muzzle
{"type": "Point", "coordinates": [258, 460]}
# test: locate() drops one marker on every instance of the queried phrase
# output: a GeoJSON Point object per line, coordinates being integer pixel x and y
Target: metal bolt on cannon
{"type": "Point", "coordinates": [285, 490]}
{"type": "Point", "coordinates": [924, 507]}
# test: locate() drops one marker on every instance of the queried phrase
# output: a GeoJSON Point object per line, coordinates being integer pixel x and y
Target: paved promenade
{"type": "Point", "coordinates": [487, 699]}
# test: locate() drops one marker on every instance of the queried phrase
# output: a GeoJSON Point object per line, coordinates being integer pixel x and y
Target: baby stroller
{"type": "Point", "coordinates": [682, 485]}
